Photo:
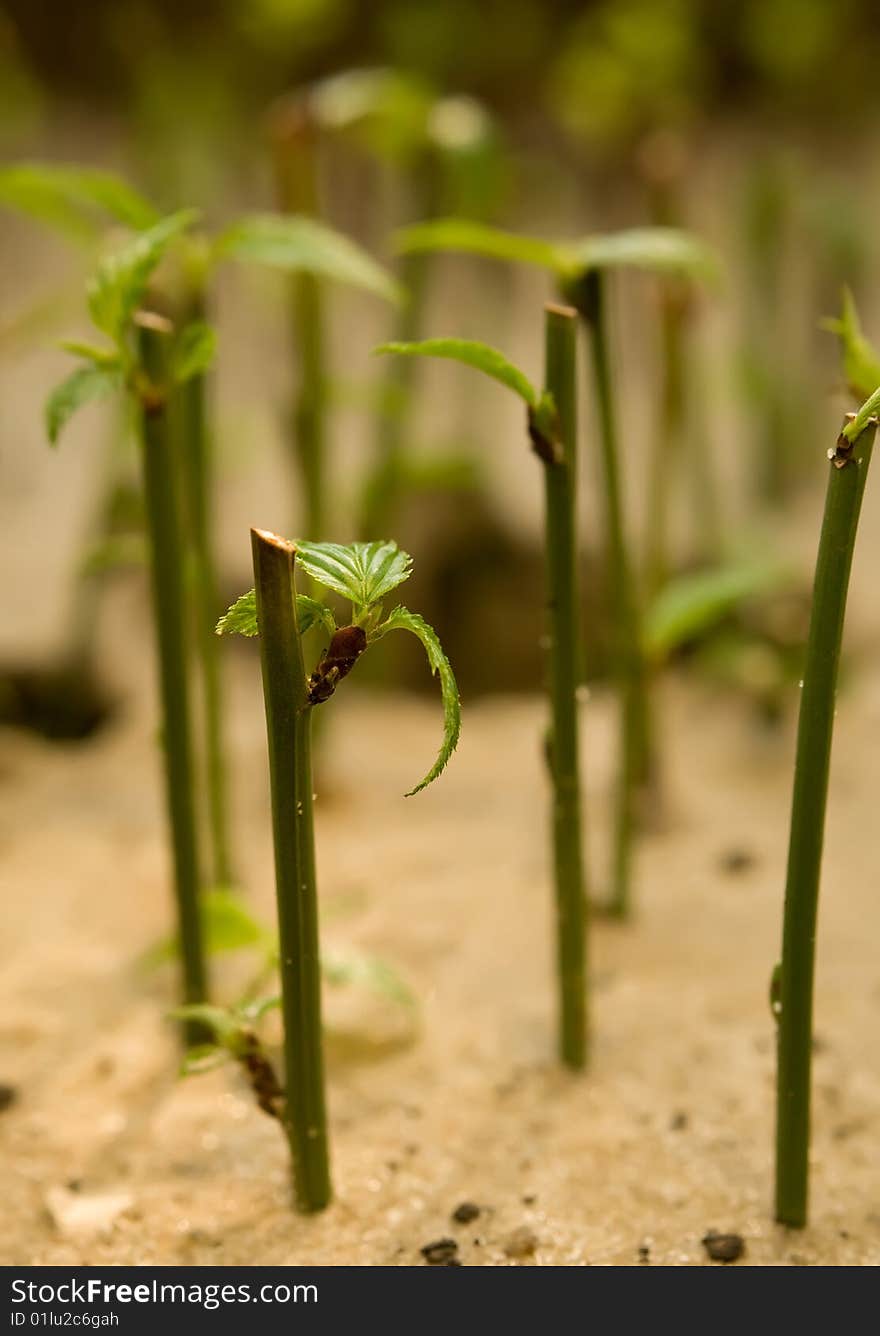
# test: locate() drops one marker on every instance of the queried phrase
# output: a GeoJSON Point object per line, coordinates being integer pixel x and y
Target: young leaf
{"type": "Point", "coordinates": [866, 414]}
{"type": "Point", "coordinates": [68, 198]}
{"type": "Point", "coordinates": [861, 362]}
{"type": "Point", "coordinates": [203, 1058]}
{"type": "Point", "coordinates": [542, 410]}
{"type": "Point", "coordinates": [691, 604]}
{"type": "Point", "coordinates": [457, 234]}
{"type": "Point", "coordinates": [404, 620]}
{"type": "Point", "coordinates": [363, 572]}
{"type": "Point", "coordinates": [350, 968]}
{"type": "Point", "coordinates": [194, 351]}
{"type": "Point", "coordinates": [93, 381]}
{"type": "Point", "coordinates": [91, 352]}
{"type": "Point", "coordinates": [662, 249]}
{"type": "Point", "coordinates": [241, 618]}
{"type": "Point", "coordinates": [120, 280]}
{"type": "Point", "coordinates": [480, 355]}
{"type": "Point", "coordinates": [222, 1023]}
{"type": "Point", "coordinates": [227, 923]}
{"type": "Point", "coordinates": [303, 245]}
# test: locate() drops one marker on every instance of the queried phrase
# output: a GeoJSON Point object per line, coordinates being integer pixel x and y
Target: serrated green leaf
{"type": "Point", "coordinates": [82, 386]}
{"type": "Point", "coordinates": [241, 618]}
{"type": "Point", "coordinates": [120, 281]}
{"type": "Point", "coordinates": [691, 604]}
{"type": "Point", "coordinates": [458, 234]}
{"type": "Point", "coordinates": [471, 353]}
{"type": "Point", "coordinates": [362, 572]}
{"type": "Point", "coordinates": [303, 245]}
{"type": "Point", "coordinates": [861, 361]}
{"type": "Point", "coordinates": [75, 200]}
{"type": "Point", "coordinates": [194, 350]}
{"type": "Point", "coordinates": [401, 619]}
{"type": "Point", "coordinates": [660, 249]}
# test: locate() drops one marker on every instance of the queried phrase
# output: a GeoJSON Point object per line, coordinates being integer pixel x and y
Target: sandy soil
{"type": "Point", "coordinates": [669, 1135]}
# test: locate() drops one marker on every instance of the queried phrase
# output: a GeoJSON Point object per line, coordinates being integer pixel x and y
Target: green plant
{"type": "Point", "coordinates": [143, 355]}
{"type": "Point", "coordinates": [552, 429]}
{"type": "Point", "coordinates": [580, 269]}
{"type": "Point", "coordinates": [363, 574]}
{"type": "Point", "coordinates": [792, 992]}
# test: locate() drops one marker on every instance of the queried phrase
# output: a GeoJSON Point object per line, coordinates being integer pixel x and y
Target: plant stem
{"type": "Point", "coordinates": [637, 762]}
{"type": "Point", "coordinates": [167, 566]}
{"type": "Point", "coordinates": [563, 662]}
{"type": "Point", "coordinates": [846, 485]}
{"type": "Point", "coordinates": [197, 461]}
{"type": "Point", "coordinates": [668, 433]}
{"type": "Point", "coordinates": [288, 725]}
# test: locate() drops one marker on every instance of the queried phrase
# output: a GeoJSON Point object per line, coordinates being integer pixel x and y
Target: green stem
{"type": "Point", "coordinates": [668, 435]}
{"type": "Point", "coordinates": [288, 725]}
{"type": "Point", "coordinates": [196, 457]}
{"type": "Point", "coordinates": [846, 485]}
{"type": "Point", "coordinates": [637, 762]}
{"type": "Point", "coordinates": [563, 613]}
{"type": "Point", "coordinates": [167, 566]}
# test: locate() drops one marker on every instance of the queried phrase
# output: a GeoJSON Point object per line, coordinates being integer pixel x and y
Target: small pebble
{"type": "Point", "coordinates": [644, 1254]}
{"type": "Point", "coordinates": [465, 1212]}
{"type": "Point", "coordinates": [521, 1243]}
{"type": "Point", "coordinates": [8, 1096]}
{"type": "Point", "coordinates": [678, 1121]}
{"type": "Point", "coordinates": [736, 861]}
{"type": "Point", "coordinates": [442, 1252]}
{"type": "Point", "coordinates": [724, 1247]}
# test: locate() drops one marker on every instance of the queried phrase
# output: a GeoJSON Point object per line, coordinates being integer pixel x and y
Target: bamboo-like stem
{"type": "Point", "coordinates": [669, 433]}
{"type": "Point", "coordinates": [197, 464]}
{"type": "Point", "coordinates": [563, 665]}
{"type": "Point", "coordinates": [288, 726]}
{"type": "Point", "coordinates": [167, 573]}
{"type": "Point", "coordinates": [637, 762]}
{"type": "Point", "coordinates": [846, 483]}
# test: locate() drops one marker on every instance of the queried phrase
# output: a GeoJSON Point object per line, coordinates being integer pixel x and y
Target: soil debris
{"type": "Point", "coordinates": [724, 1247]}
{"type": "Point", "coordinates": [523, 1242]}
{"type": "Point", "coordinates": [465, 1212]}
{"type": "Point", "coordinates": [442, 1252]}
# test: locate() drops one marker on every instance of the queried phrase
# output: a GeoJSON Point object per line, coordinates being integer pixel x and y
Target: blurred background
{"type": "Point", "coordinates": [752, 124]}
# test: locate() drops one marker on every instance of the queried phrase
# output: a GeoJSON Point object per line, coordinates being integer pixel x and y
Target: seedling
{"type": "Point", "coordinates": [579, 269]}
{"type": "Point", "coordinates": [363, 574]}
{"type": "Point", "coordinates": [552, 429]}
{"type": "Point", "coordinates": [792, 991]}
{"type": "Point", "coordinates": [145, 357]}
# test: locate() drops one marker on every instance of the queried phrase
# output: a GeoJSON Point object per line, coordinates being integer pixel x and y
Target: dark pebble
{"type": "Point", "coordinates": [736, 861]}
{"type": "Point", "coordinates": [8, 1096]}
{"type": "Point", "coordinates": [442, 1252]}
{"type": "Point", "coordinates": [678, 1122]}
{"type": "Point", "coordinates": [724, 1247]}
{"type": "Point", "coordinates": [465, 1212]}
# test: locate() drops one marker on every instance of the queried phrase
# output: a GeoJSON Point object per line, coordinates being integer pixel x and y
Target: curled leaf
{"type": "Point", "coordinates": [404, 620]}
{"type": "Point", "coordinates": [120, 281]}
{"type": "Point", "coordinates": [861, 362]}
{"type": "Point", "coordinates": [471, 353]}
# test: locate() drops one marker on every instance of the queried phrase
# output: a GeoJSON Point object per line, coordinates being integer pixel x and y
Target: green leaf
{"type": "Point", "coordinates": [661, 249]}
{"type": "Point", "coordinates": [241, 618]}
{"type": "Point", "coordinates": [471, 353]}
{"type": "Point", "coordinates": [80, 387]}
{"type": "Point", "coordinates": [69, 198]}
{"type": "Point", "coordinates": [222, 1022]}
{"type": "Point", "coordinates": [115, 552]}
{"type": "Point", "coordinates": [203, 1058]}
{"type": "Point", "coordinates": [861, 362]}
{"type": "Point", "coordinates": [693, 603]}
{"type": "Point", "coordinates": [194, 351]}
{"type": "Point", "coordinates": [119, 283]}
{"type": "Point", "coordinates": [91, 352]}
{"type": "Point", "coordinates": [457, 234]}
{"type": "Point", "coordinates": [363, 572]}
{"type": "Point", "coordinates": [665, 249]}
{"type": "Point", "coordinates": [353, 969]}
{"type": "Point", "coordinates": [403, 620]}
{"type": "Point", "coordinates": [227, 923]}
{"type": "Point", "coordinates": [302, 245]}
